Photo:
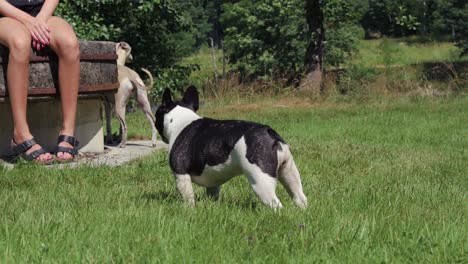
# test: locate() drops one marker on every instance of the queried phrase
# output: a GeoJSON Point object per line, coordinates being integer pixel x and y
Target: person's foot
{"type": "Point", "coordinates": [64, 155]}
{"type": "Point", "coordinates": [18, 139]}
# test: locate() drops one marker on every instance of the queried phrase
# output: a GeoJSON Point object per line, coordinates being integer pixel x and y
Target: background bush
{"type": "Point", "coordinates": [263, 39]}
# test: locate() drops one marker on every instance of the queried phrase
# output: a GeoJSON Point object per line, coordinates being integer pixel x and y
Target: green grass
{"type": "Point", "coordinates": [370, 53]}
{"type": "Point", "coordinates": [204, 58]}
{"type": "Point", "coordinates": [387, 182]}
{"type": "Point", "coordinates": [385, 52]}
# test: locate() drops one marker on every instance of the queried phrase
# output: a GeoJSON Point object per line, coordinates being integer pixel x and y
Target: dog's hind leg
{"type": "Point", "coordinates": [185, 188]}
{"type": "Point", "coordinates": [262, 184]}
{"type": "Point", "coordinates": [213, 192]}
{"type": "Point", "coordinates": [121, 100]}
{"type": "Point", "coordinates": [108, 113]}
{"type": "Point", "coordinates": [142, 98]}
{"type": "Point", "coordinates": [120, 108]}
{"type": "Point", "coordinates": [289, 176]}
{"type": "Point", "coordinates": [264, 187]}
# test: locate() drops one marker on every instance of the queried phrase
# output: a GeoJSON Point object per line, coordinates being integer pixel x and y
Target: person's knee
{"type": "Point", "coordinates": [69, 48]}
{"type": "Point", "coordinates": [20, 48]}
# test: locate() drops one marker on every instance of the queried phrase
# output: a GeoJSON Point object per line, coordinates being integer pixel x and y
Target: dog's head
{"type": "Point", "coordinates": [165, 112]}
{"type": "Point", "coordinates": [124, 52]}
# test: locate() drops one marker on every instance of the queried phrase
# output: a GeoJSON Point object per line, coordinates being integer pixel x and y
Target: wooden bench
{"type": "Point", "coordinates": [98, 78]}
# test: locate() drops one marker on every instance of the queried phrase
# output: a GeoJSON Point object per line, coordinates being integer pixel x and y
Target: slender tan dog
{"type": "Point", "coordinates": [130, 83]}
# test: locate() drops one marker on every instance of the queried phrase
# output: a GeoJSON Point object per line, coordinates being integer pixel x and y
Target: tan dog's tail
{"type": "Point", "coordinates": [148, 87]}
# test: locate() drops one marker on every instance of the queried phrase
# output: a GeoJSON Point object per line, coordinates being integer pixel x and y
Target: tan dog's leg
{"type": "Point", "coordinates": [121, 100]}
{"type": "Point", "coordinates": [108, 112]}
{"type": "Point", "coordinates": [131, 82]}
{"type": "Point", "coordinates": [143, 102]}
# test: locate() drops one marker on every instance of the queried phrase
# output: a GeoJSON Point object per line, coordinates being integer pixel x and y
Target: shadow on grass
{"type": "Point", "coordinates": [246, 204]}
{"type": "Point", "coordinates": [425, 39]}
{"type": "Point", "coordinates": [445, 71]}
{"type": "Point", "coordinates": [174, 198]}
{"type": "Point", "coordinates": [162, 196]}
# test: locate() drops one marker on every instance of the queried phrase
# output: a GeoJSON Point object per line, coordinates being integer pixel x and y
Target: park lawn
{"type": "Point", "coordinates": [370, 53]}
{"type": "Point", "coordinates": [404, 51]}
{"type": "Point", "coordinates": [204, 59]}
{"type": "Point", "coordinates": [387, 181]}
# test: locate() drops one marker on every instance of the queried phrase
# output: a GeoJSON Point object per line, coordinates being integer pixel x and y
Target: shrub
{"type": "Point", "coordinates": [268, 38]}
{"type": "Point", "coordinates": [158, 31]}
{"type": "Point", "coordinates": [265, 38]}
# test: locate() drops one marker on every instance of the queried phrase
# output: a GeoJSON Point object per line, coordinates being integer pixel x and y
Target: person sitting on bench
{"type": "Point", "coordinates": [26, 23]}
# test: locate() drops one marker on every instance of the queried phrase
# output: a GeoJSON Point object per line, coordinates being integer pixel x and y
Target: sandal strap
{"type": "Point", "coordinates": [69, 139]}
{"type": "Point", "coordinates": [24, 146]}
{"type": "Point", "coordinates": [71, 151]}
{"type": "Point", "coordinates": [33, 155]}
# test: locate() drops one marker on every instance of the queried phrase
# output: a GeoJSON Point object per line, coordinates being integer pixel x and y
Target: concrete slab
{"type": "Point", "coordinates": [112, 156]}
{"type": "Point", "coordinates": [44, 118]}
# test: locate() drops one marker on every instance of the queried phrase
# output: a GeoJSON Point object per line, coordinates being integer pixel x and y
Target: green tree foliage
{"type": "Point", "coordinates": [342, 30]}
{"type": "Point", "coordinates": [156, 30]}
{"type": "Point", "coordinates": [265, 38]}
{"type": "Point", "coordinates": [198, 15]}
{"type": "Point", "coordinates": [451, 17]}
{"type": "Point", "coordinates": [269, 37]}
{"type": "Point", "coordinates": [159, 32]}
{"type": "Point", "coordinates": [393, 17]}
{"type": "Point", "coordinates": [408, 17]}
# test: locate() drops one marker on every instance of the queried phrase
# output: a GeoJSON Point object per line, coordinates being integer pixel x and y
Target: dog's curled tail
{"type": "Point", "coordinates": [148, 87]}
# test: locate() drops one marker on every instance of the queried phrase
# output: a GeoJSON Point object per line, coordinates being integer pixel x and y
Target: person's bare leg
{"type": "Point", "coordinates": [65, 44]}
{"type": "Point", "coordinates": [17, 38]}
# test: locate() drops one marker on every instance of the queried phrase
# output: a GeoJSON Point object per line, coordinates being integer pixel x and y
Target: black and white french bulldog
{"type": "Point", "coordinates": [209, 152]}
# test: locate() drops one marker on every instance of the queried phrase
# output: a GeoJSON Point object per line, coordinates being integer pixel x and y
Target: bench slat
{"type": "Point", "coordinates": [98, 70]}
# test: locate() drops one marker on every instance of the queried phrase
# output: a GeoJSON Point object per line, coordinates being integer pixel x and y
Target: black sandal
{"type": "Point", "coordinates": [19, 151]}
{"type": "Point", "coordinates": [72, 151]}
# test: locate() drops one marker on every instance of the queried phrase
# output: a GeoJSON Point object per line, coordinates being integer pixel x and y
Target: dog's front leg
{"type": "Point", "coordinates": [184, 186]}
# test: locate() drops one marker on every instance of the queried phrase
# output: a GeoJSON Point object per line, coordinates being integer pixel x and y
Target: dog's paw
{"type": "Point", "coordinates": [189, 204]}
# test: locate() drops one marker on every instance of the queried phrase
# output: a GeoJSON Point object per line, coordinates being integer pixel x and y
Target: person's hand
{"type": "Point", "coordinates": [39, 30]}
{"type": "Point", "coordinates": [37, 45]}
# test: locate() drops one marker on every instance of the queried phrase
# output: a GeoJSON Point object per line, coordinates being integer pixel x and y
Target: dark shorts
{"type": "Point", "coordinates": [33, 10]}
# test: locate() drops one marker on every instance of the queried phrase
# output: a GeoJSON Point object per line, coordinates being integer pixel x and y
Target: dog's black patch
{"type": "Point", "coordinates": [166, 106]}
{"type": "Point", "coordinates": [209, 142]}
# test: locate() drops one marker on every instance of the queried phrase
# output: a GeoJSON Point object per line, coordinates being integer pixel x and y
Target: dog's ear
{"type": "Point", "coordinates": [167, 97]}
{"type": "Point", "coordinates": [129, 58]}
{"type": "Point", "coordinates": [122, 44]}
{"type": "Point", "coordinates": [191, 98]}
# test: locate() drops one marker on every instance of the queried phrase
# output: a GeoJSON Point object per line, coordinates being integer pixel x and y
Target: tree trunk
{"type": "Point", "coordinates": [314, 54]}
{"type": "Point", "coordinates": [217, 30]}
